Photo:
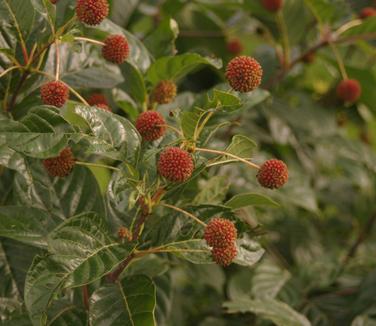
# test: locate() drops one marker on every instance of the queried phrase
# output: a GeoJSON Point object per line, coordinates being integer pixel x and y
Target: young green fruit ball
{"type": "Point", "coordinates": [244, 74]}
{"type": "Point", "coordinates": [54, 93]}
{"type": "Point", "coordinates": [224, 256]}
{"type": "Point", "coordinates": [220, 232]}
{"type": "Point", "coordinates": [175, 164]}
{"type": "Point", "coordinates": [349, 90]}
{"type": "Point", "coordinates": [164, 92]}
{"type": "Point", "coordinates": [60, 166]}
{"type": "Point", "coordinates": [92, 12]}
{"type": "Point", "coordinates": [115, 49]}
{"type": "Point", "coordinates": [151, 125]}
{"type": "Point", "coordinates": [272, 5]}
{"type": "Point", "coordinates": [273, 174]}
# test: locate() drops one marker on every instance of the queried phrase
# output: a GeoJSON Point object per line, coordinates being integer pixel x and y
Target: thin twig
{"type": "Point", "coordinates": [85, 39]}
{"type": "Point", "coordinates": [185, 213]}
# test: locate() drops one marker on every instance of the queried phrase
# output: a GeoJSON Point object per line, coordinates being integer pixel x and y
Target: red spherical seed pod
{"type": "Point", "coordinates": [164, 92]}
{"type": "Point", "coordinates": [92, 12]}
{"type": "Point", "coordinates": [349, 90]}
{"type": "Point", "coordinates": [367, 12]}
{"type": "Point", "coordinates": [124, 233]}
{"type": "Point", "coordinates": [97, 98]}
{"type": "Point", "coordinates": [115, 49]}
{"type": "Point", "coordinates": [220, 232]}
{"type": "Point", "coordinates": [54, 2]}
{"type": "Point", "coordinates": [62, 165]}
{"type": "Point", "coordinates": [273, 174]}
{"type": "Point", "coordinates": [103, 107]}
{"type": "Point", "coordinates": [234, 46]}
{"type": "Point", "coordinates": [244, 74]}
{"type": "Point", "coordinates": [54, 93]}
{"type": "Point", "coordinates": [224, 256]}
{"type": "Point", "coordinates": [272, 5]}
{"type": "Point", "coordinates": [175, 164]}
{"type": "Point", "coordinates": [151, 125]}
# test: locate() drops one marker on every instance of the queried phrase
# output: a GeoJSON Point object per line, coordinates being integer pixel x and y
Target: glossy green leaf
{"type": "Point", "coordinates": [174, 68]}
{"type": "Point", "coordinates": [249, 252]}
{"type": "Point", "coordinates": [26, 224]}
{"type": "Point", "coordinates": [14, 161]}
{"type": "Point", "coordinates": [241, 146]}
{"type": "Point", "coordinates": [250, 199]}
{"type": "Point", "coordinates": [221, 100]}
{"type": "Point", "coordinates": [129, 302]}
{"type": "Point", "coordinates": [133, 82]}
{"type": "Point", "coordinates": [276, 311]}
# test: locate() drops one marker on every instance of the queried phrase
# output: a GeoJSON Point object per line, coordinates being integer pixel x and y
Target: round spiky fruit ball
{"type": "Point", "coordinates": [54, 93]}
{"type": "Point", "coordinates": [60, 166]}
{"type": "Point", "coordinates": [273, 174]}
{"type": "Point", "coordinates": [349, 90]}
{"type": "Point", "coordinates": [54, 2]}
{"type": "Point", "coordinates": [224, 256]}
{"type": "Point", "coordinates": [272, 5]}
{"type": "Point", "coordinates": [244, 74]}
{"type": "Point", "coordinates": [97, 98]}
{"type": "Point", "coordinates": [92, 12]}
{"type": "Point", "coordinates": [367, 12]}
{"type": "Point", "coordinates": [124, 233]}
{"type": "Point", "coordinates": [220, 233]}
{"type": "Point", "coordinates": [103, 107]}
{"type": "Point", "coordinates": [151, 125]}
{"type": "Point", "coordinates": [164, 92]}
{"type": "Point", "coordinates": [235, 46]}
{"type": "Point", "coordinates": [115, 49]}
{"type": "Point", "coordinates": [175, 164]}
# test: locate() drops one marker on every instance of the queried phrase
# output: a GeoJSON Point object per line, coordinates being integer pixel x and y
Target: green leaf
{"type": "Point", "coordinates": [221, 100]}
{"type": "Point", "coordinates": [82, 252]}
{"type": "Point", "coordinates": [249, 252]}
{"type": "Point", "coordinates": [134, 83]}
{"type": "Point", "coordinates": [174, 68]}
{"type": "Point", "coordinates": [129, 302]}
{"type": "Point", "coordinates": [250, 199]}
{"type": "Point", "coordinates": [161, 41]}
{"type": "Point", "coordinates": [26, 224]}
{"type": "Point", "coordinates": [325, 11]}
{"type": "Point", "coordinates": [14, 161]}
{"type": "Point", "coordinates": [42, 133]}
{"type": "Point", "coordinates": [63, 197]}
{"type": "Point", "coordinates": [213, 191]}
{"type": "Point", "coordinates": [114, 136]}
{"type": "Point", "coordinates": [367, 26]}
{"type": "Point", "coordinates": [276, 311]}
{"type": "Point", "coordinates": [189, 121]}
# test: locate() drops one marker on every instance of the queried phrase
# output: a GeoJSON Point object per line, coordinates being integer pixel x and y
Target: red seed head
{"type": "Point", "coordinates": [349, 90]}
{"type": "Point", "coordinates": [103, 107]}
{"type": "Point", "coordinates": [60, 166]}
{"type": "Point", "coordinates": [175, 164]}
{"type": "Point", "coordinates": [220, 232]}
{"type": "Point", "coordinates": [234, 46]}
{"type": "Point", "coordinates": [115, 49]}
{"type": "Point", "coordinates": [54, 1]}
{"type": "Point", "coordinates": [224, 256]}
{"type": "Point", "coordinates": [97, 98]}
{"type": "Point", "coordinates": [92, 12]}
{"type": "Point", "coordinates": [273, 174]}
{"type": "Point", "coordinates": [124, 233]}
{"type": "Point", "coordinates": [244, 74]}
{"type": "Point", "coordinates": [151, 125]}
{"type": "Point", "coordinates": [54, 93]}
{"type": "Point", "coordinates": [272, 5]}
{"type": "Point", "coordinates": [367, 12]}
{"type": "Point", "coordinates": [164, 92]}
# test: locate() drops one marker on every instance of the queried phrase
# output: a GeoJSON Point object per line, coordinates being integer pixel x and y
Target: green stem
{"type": "Point", "coordinates": [285, 38]}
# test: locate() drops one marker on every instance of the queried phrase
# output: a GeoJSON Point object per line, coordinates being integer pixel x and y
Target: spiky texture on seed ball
{"type": "Point", "coordinates": [244, 74]}
{"type": "Point", "coordinates": [97, 98]}
{"type": "Point", "coordinates": [235, 46]}
{"type": "Point", "coordinates": [220, 232]}
{"type": "Point", "coordinates": [151, 125]}
{"type": "Point", "coordinates": [273, 174]}
{"type": "Point", "coordinates": [54, 93]}
{"type": "Point", "coordinates": [224, 256]}
{"type": "Point", "coordinates": [60, 166]}
{"type": "Point", "coordinates": [103, 107]}
{"type": "Point", "coordinates": [92, 12]}
{"type": "Point", "coordinates": [349, 90]}
{"type": "Point", "coordinates": [175, 164]}
{"type": "Point", "coordinates": [124, 233]}
{"type": "Point", "coordinates": [367, 12]}
{"type": "Point", "coordinates": [272, 5]}
{"type": "Point", "coordinates": [164, 92]}
{"type": "Point", "coordinates": [115, 49]}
